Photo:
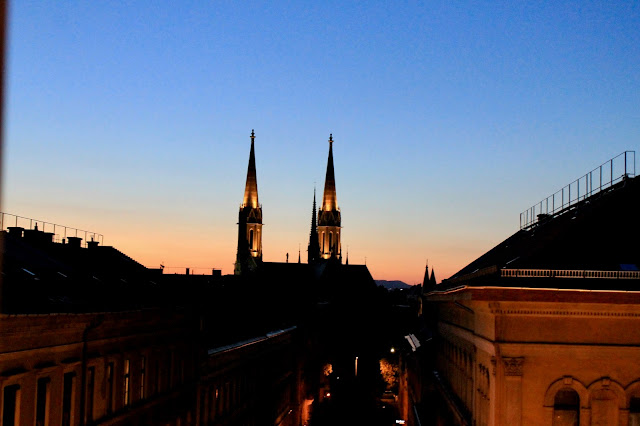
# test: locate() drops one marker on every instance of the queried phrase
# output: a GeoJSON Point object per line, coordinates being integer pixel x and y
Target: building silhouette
{"type": "Point", "coordinates": [89, 336]}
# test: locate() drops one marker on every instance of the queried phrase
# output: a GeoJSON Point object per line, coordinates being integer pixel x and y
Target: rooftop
{"type": "Point", "coordinates": [591, 244]}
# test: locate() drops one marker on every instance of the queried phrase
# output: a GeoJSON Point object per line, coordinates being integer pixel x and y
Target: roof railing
{"type": "Point", "coordinates": [606, 175]}
{"type": "Point", "coordinates": [568, 273]}
{"type": "Point", "coordinates": [59, 232]}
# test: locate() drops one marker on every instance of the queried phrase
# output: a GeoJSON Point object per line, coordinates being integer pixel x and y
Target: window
{"type": "Point", "coordinates": [331, 241]}
{"type": "Point", "coordinates": [170, 372]}
{"type": "Point", "coordinates": [323, 243]}
{"type": "Point", "coordinates": [566, 408]}
{"type": "Point", "coordinates": [634, 411]}
{"type": "Point", "coordinates": [251, 240]}
{"type": "Point", "coordinates": [42, 401]}
{"type": "Point", "coordinates": [67, 398]}
{"type": "Point", "coordinates": [11, 406]}
{"type": "Point", "coordinates": [156, 377]}
{"type": "Point", "coordinates": [142, 376]}
{"type": "Point", "coordinates": [91, 379]}
{"type": "Point", "coordinates": [203, 403]}
{"type": "Point", "coordinates": [110, 388]}
{"type": "Point", "coordinates": [127, 383]}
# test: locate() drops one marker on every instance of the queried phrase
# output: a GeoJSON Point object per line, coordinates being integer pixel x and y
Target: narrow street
{"type": "Point", "coordinates": [353, 402]}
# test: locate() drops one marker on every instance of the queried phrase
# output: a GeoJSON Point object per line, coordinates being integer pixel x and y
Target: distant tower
{"type": "Point", "coordinates": [329, 215]}
{"type": "Point", "coordinates": [249, 221]}
{"type": "Point", "coordinates": [313, 252]}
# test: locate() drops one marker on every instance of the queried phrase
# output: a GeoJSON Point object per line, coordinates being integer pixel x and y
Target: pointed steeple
{"type": "Point", "coordinates": [329, 200]}
{"type": "Point", "coordinates": [314, 247]}
{"type": "Point", "coordinates": [433, 277]}
{"type": "Point", "coordinates": [329, 220]}
{"type": "Point", "coordinates": [249, 253]}
{"type": "Point", "coordinates": [425, 280]}
{"type": "Point", "coordinates": [251, 188]}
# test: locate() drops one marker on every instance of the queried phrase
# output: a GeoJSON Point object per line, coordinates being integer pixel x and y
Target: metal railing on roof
{"type": "Point", "coordinates": [59, 232]}
{"type": "Point", "coordinates": [568, 273]}
{"type": "Point", "coordinates": [606, 175]}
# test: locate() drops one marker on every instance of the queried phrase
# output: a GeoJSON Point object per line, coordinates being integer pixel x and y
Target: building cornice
{"type": "Point", "coordinates": [526, 294]}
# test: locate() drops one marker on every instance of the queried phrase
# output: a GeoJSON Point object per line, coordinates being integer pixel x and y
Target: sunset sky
{"type": "Point", "coordinates": [132, 119]}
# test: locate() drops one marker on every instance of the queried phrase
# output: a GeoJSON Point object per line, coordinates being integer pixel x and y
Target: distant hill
{"type": "Point", "coordinates": [392, 285]}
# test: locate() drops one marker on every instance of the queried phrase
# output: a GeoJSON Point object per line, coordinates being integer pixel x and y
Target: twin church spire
{"type": "Point", "coordinates": [324, 238]}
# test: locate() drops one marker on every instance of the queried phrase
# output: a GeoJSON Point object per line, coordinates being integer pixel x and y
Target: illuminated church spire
{"type": "Point", "coordinates": [249, 252]}
{"type": "Point", "coordinates": [329, 200]}
{"type": "Point", "coordinates": [251, 188]}
{"type": "Point", "coordinates": [329, 215]}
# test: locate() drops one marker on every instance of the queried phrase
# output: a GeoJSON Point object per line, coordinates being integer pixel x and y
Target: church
{"type": "Point", "coordinates": [324, 237]}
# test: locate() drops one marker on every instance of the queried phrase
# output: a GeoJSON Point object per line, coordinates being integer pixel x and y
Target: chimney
{"type": "Point", "coordinates": [92, 244]}
{"type": "Point", "coordinates": [74, 241]}
{"type": "Point", "coordinates": [15, 231]}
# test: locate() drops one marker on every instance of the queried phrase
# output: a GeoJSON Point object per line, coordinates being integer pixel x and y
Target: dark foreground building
{"type": "Point", "coordinates": [88, 336]}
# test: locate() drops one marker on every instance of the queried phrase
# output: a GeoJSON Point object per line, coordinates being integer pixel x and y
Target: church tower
{"type": "Point", "coordinates": [249, 221]}
{"type": "Point", "coordinates": [329, 215]}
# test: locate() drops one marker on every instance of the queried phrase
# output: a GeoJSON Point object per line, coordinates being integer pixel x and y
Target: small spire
{"type": "Point", "coordinates": [347, 255]}
{"type": "Point", "coordinates": [425, 280]}
{"type": "Point", "coordinates": [253, 135]}
{"type": "Point", "coordinates": [314, 244]}
{"type": "Point", "coordinates": [330, 137]}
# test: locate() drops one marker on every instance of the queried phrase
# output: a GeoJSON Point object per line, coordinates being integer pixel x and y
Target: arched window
{"type": "Point", "coordinates": [331, 241]}
{"type": "Point", "coordinates": [323, 250]}
{"type": "Point", "coordinates": [634, 411]}
{"type": "Point", "coordinates": [566, 408]}
{"type": "Point", "coordinates": [251, 239]}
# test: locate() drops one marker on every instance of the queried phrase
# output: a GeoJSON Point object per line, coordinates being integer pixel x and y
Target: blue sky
{"type": "Point", "coordinates": [450, 118]}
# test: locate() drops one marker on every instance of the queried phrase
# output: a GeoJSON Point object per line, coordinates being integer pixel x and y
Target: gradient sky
{"type": "Point", "coordinates": [132, 119]}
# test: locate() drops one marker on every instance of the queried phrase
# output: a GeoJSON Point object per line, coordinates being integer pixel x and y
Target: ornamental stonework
{"type": "Point", "coordinates": [513, 366]}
